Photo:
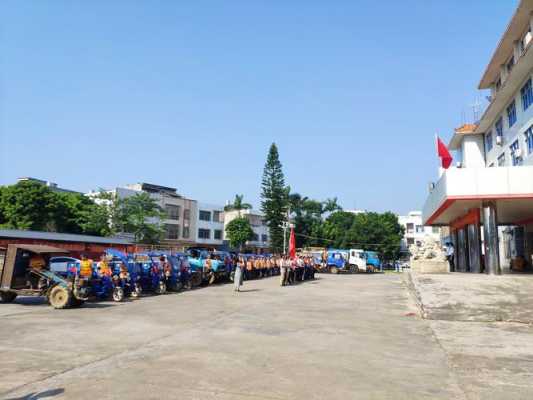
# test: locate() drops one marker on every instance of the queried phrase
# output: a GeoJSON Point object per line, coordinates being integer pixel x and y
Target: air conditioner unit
{"type": "Point", "coordinates": [518, 153]}
{"type": "Point", "coordinates": [459, 164]}
{"type": "Point", "coordinates": [499, 140]}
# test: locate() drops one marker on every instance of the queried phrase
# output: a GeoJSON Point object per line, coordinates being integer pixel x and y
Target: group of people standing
{"type": "Point", "coordinates": [292, 270]}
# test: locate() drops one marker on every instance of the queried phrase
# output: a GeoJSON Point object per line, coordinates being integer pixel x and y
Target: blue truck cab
{"type": "Point", "coordinates": [372, 261]}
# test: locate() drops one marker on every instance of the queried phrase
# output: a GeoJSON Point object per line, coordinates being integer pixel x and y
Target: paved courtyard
{"type": "Point", "coordinates": [339, 337]}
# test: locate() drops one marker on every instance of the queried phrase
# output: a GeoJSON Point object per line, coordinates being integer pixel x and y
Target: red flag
{"type": "Point", "coordinates": [292, 245]}
{"type": "Point", "coordinates": [444, 154]}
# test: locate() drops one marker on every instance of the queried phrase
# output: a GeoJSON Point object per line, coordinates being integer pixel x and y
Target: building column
{"type": "Point", "coordinates": [490, 232]}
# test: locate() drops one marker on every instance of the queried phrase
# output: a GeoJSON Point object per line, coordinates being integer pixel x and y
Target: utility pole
{"type": "Point", "coordinates": [285, 226]}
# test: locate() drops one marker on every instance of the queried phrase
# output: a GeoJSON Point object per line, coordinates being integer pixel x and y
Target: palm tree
{"type": "Point", "coordinates": [331, 205]}
{"type": "Point", "coordinates": [238, 205]}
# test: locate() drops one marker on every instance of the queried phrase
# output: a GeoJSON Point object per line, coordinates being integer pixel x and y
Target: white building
{"type": "Point", "coordinates": [181, 213]}
{"type": "Point", "coordinates": [492, 185]}
{"type": "Point", "coordinates": [210, 225]}
{"type": "Point", "coordinates": [260, 241]}
{"type": "Point", "coordinates": [415, 231]}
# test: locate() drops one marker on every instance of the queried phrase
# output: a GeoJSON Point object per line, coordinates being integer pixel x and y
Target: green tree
{"type": "Point", "coordinates": [239, 231]}
{"type": "Point", "coordinates": [29, 206]}
{"type": "Point", "coordinates": [331, 205]}
{"type": "Point", "coordinates": [274, 196]}
{"type": "Point", "coordinates": [336, 228]}
{"type": "Point", "coordinates": [80, 214]}
{"type": "Point", "coordinates": [238, 205]}
{"type": "Point", "coordinates": [141, 216]}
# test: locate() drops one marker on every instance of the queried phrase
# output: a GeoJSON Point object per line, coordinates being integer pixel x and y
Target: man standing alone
{"type": "Point", "coordinates": [450, 254]}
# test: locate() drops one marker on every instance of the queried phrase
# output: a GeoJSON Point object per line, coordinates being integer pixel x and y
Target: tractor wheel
{"type": "Point", "coordinates": [196, 280]}
{"type": "Point", "coordinates": [74, 302]}
{"type": "Point", "coordinates": [136, 292]}
{"type": "Point", "coordinates": [59, 297]}
{"type": "Point", "coordinates": [118, 294]}
{"type": "Point", "coordinates": [161, 288]}
{"type": "Point", "coordinates": [177, 287]}
{"type": "Point", "coordinates": [212, 278]}
{"type": "Point", "coordinates": [334, 270]}
{"type": "Point", "coordinates": [8, 297]}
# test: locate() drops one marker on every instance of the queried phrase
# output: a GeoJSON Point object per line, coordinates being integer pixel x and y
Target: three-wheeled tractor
{"type": "Point", "coordinates": [25, 272]}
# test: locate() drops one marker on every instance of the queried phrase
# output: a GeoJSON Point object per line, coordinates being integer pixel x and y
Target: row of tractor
{"type": "Point", "coordinates": [36, 270]}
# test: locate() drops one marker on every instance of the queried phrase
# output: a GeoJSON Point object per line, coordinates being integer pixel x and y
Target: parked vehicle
{"type": "Point", "coordinates": [338, 261]}
{"type": "Point", "coordinates": [101, 286]}
{"type": "Point", "coordinates": [151, 273]}
{"type": "Point", "coordinates": [126, 274]}
{"type": "Point", "coordinates": [373, 262]}
{"type": "Point", "coordinates": [25, 271]}
{"type": "Point", "coordinates": [171, 271]}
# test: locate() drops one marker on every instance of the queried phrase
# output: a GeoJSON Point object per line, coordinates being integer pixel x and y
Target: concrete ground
{"type": "Point", "coordinates": [339, 337]}
{"type": "Point", "coordinates": [485, 325]}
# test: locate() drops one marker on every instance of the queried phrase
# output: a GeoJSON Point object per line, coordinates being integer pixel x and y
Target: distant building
{"type": "Point", "coordinates": [356, 212]}
{"type": "Point", "coordinates": [414, 229]}
{"type": "Point", "coordinates": [260, 242]}
{"type": "Point", "coordinates": [181, 213]}
{"type": "Point", "coordinates": [210, 225]}
{"type": "Point", "coordinates": [53, 186]}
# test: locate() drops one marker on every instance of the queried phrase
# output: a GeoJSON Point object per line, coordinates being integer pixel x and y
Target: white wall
{"type": "Point", "coordinates": [211, 225]}
{"type": "Point", "coordinates": [510, 134]}
{"type": "Point", "coordinates": [473, 154]}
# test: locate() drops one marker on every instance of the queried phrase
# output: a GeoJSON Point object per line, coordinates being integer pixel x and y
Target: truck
{"type": "Point", "coordinates": [373, 263]}
{"type": "Point", "coordinates": [348, 261]}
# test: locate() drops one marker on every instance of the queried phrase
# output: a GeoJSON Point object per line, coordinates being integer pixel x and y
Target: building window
{"type": "Point", "coordinates": [515, 153]}
{"type": "Point", "coordinates": [205, 215]}
{"type": "Point", "coordinates": [218, 234]}
{"type": "Point", "coordinates": [488, 142]}
{"type": "Point", "coordinates": [435, 229]}
{"type": "Point", "coordinates": [501, 160]}
{"type": "Point", "coordinates": [172, 232]}
{"type": "Point", "coordinates": [510, 64]}
{"type": "Point", "coordinates": [173, 212]}
{"type": "Point", "coordinates": [511, 113]}
{"type": "Point", "coordinates": [216, 216]}
{"type": "Point", "coordinates": [204, 233]}
{"type": "Point", "coordinates": [255, 237]}
{"type": "Point", "coordinates": [410, 241]}
{"type": "Point", "coordinates": [187, 214]}
{"type": "Point", "coordinates": [527, 95]}
{"type": "Point", "coordinates": [410, 228]}
{"type": "Point", "coordinates": [529, 139]}
{"type": "Point", "coordinates": [419, 229]}
{"type": "Point", "coordinates": [499, 127]}
{"type": "Point", "coordinates": [186, 232]}
{"type": "Point", "coordinates": [264, 238]}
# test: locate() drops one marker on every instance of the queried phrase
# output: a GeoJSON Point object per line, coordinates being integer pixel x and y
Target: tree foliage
{"type": "Point", "coordinates": [239, 231]}
{"type": "Point", "coordinates": [34, 206]}
{"type": "Point", "coordinates": [140, 215]}
{"type": "Point", "coordinates": [238, 204]}
{"type": "Point", "coordinates": [274, 198]}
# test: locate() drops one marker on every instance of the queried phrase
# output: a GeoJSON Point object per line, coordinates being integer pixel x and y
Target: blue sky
{"type": "Point", "coordinates": [191, 94]}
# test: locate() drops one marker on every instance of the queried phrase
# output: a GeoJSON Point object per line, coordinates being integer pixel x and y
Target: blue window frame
{"type": "Point", "coordinates": [515, 158]}
{"type": "Point", "coordinates": [499, 127]}
{"type": "Point", "coordinates": [529, 139]}
{"type": "Point", "coordinates": [511, 113]}
{"type": "Point", "coordinates": [488, 142]}
{"type": "Point", "coordinates": [527, 95]}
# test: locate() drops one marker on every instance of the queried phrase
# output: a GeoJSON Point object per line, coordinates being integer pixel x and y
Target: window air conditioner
{"type": "Point", "coordinates": [518, 153]}
{"type": "Point", "coordinates": [459, 164]}
{"type": "Point", "coordinates": [499, 140]}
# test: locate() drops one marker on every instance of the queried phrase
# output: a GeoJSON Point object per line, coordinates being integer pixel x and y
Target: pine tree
{"type": "Point", "coordinates": [274, 198]}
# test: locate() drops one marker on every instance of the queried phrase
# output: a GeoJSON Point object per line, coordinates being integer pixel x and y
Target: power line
{"type": "Point", "coordinates": [331, 240]}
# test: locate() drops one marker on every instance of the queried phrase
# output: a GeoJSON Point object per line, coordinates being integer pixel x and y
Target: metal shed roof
{"type": "Point", "coordinates": [63, 237]}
